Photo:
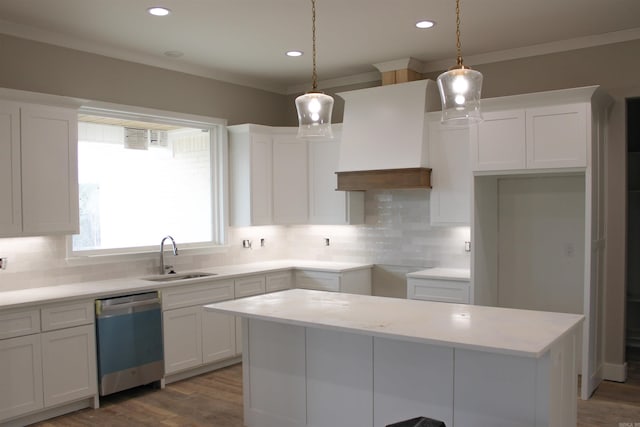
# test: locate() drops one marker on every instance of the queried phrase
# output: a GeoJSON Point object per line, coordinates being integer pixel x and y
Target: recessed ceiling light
{"type": "Point", "coordinates": [294, 53]}
{"type": "Point", "coordinates": [158, 11]}
{"type": "Point", "coordinates": [425, 24]}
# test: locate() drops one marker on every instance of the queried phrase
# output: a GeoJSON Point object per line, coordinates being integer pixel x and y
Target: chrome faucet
{"type": "Point", "coordinates": [164, 269]}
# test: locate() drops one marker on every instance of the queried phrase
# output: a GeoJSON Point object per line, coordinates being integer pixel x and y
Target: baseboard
{"type": "Point", "coordinates": [614, 372]}
{"type": "Point", "coordinates": [172, 378]}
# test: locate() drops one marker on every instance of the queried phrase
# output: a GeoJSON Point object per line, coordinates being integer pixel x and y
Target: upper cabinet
{"type": "Point", "coordinates": [326, 205]}
{"type": "Point", "coordinates": [290, 177]}
{"type": "Point", "coordinates": [39, 170]}
{"type": "Point", "coordinates": [277, 178]}
{"type": "Point", "coordinates": [250, 171]}
{"type": "Point", "coordinates": [450, 197]}
{"type": "Point", "coordinates": [536, 137]}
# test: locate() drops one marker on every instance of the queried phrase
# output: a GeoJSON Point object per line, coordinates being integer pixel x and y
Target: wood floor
{"type": "Point", "coordinates": [215, 400]}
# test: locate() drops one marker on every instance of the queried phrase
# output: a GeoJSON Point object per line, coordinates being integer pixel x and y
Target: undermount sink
{"type": "Point", "coordinates": [173, 277]}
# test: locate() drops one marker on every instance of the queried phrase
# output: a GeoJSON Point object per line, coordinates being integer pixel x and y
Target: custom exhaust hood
{"type": "Point", "coordinates": [383, 143]}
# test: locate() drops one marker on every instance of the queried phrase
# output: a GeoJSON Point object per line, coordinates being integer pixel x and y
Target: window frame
{"type": "Point", "coordinates": [219, 182]}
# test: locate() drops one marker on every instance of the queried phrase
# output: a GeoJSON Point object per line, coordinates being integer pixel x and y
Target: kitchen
{"type": "Point", "coordinates": [394, 234]}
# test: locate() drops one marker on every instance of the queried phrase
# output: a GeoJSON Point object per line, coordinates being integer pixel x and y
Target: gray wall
{"type": "Point", "coordinates": [40, 67]}
{"type": "Point", "coordinates": [49, 69]}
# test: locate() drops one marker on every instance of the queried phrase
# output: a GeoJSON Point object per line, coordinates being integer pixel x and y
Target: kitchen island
{"type": "Point", "coordinates": [314, 358]}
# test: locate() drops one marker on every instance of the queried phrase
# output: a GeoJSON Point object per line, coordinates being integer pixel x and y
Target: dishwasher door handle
{"type": "Point", "coordinates": [103, 310]}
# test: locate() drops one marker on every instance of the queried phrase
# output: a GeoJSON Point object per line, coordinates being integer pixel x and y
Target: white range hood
{"type": "Point", "coordinates": [383, 134]}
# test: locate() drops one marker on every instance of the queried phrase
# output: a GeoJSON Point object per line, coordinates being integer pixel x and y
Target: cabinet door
{"type": "Point", "coordinates": [182, 338]}
{"type": "Point", "coordinates": [218, 336]}
{"type": "Point", "coordinates": [500, 142]}
{"type": "Point", "coordinates": [318, 280]}
{"type": "Point", "coordinates": [261, 180]}
{"type": "Point", "coordinates": [557, 136]}
{"type": "Point", "coordinates": [20, 376]}
{"type": "Point", "coordinates": [69, 364]}
{"type": "Point", "coordinates": [11, 206]}
{"type": "Point", "coordinates": [450, 198]}
{"type": "Point", "coordinates": [290, 189]}
{"type": "Point", "coordinates": [251, 285]}
{"type": "Point", "coordinates": [49, 144]}
{"type": "Point", "coordinates": [438, 290]}
{"type": "Point", "coordinates": [278, 281]}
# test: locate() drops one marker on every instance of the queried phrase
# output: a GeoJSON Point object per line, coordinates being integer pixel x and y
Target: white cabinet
{"type": "Point", "coordinates": [193, 337]}
{"type": "Point", "coordinates": [456, 291]}
{"type": "Point", "coordinates": [351, 281]}
{"type": "Point", "coordinates": [182, 329]}
{"type": "Point", "coordinates": [326, 204]}
{"type": "Point", "coordinates": [546, 137]}
{"type": "Point", "coordinates": [450, 197]}
{"type": "Point", "coordinates": [250, 171]}
{"type": "Point", "coordinates": [48, 358]}
{"type": "Point", "coordinates": [500, 142]}
{"type": "Point", "coordinates": [276, 178]}
{"type": "Point", "coordinates": [69, 364]}
{"type": "Point", "coordinates": [11, 206]}
{"type": "Point", "coordinates": [278, 281]}
{"type": "Point", "coordinates": [39, 177]}
{"type": "Point", "coordinates": [290, 172]}
{"type": "Point", "coordinates": [20, 376]}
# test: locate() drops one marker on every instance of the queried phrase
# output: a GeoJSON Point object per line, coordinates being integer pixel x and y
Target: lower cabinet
{"type": "Point", "coordinates": [455, 291]}
{"type": "Point", "coordinates": [48, 359]}
{"type": "Point", "coordinates": [193, 337]}
{"type": "Point", "coordinates": [68, 364]}
{"type": "Point", "coordinates": [351, 282]}
{"type": "Point", "coordinates": [20, 376]}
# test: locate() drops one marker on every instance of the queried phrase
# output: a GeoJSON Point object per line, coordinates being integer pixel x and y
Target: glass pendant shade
{"type": "Point", "coordinates": [314, 115]}
{"type": "Point", "coordinates": [460, 89]}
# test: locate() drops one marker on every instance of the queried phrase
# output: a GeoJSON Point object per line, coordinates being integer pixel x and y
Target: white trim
{"type": "Point", "coordinates": [614, 372]}
{"type": "Point", "coordinates": [538, 49]}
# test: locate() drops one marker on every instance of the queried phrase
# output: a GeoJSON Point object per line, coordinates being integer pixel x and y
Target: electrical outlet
{"type": "Point", "coordinates": [246, 243]}
{"type": "Point", "coordinates": [3, 263]}
{"type": "Point", "coordinates": [467, 246]}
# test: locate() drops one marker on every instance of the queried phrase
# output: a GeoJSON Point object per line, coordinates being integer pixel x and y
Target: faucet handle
{"type": "Point", "coordinates": [168, 269]}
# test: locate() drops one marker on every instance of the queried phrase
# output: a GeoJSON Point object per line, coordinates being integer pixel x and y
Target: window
{"type": "Point", "coordinates": [141, 179]}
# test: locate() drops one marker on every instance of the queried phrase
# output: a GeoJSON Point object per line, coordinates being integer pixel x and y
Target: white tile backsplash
{"type": "Point", "coordinates": [396, 232]}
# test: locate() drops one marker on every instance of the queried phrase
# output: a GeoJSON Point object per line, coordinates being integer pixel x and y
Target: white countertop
{"type": "Point", "coordinates": [498, 330]}
{"type": "Point", "coordinates": [459, 274]}
{"type": "Point", "coordinates": [121, 286]}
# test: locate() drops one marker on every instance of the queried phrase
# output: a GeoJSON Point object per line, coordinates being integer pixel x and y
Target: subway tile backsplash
{"type": "Point", "coordinates": [396, 232]}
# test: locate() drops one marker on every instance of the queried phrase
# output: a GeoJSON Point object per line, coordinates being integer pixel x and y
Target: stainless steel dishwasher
{"type": "Point", "coordinates": [129, 341]}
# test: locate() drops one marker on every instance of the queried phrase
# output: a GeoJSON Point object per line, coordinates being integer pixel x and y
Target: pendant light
{"type": "Point", "coordinates": [460, 89]}
{"type": "Point", "coordinates": [314, 107]}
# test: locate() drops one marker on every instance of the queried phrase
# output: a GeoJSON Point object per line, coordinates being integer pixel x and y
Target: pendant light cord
{"type": "Point", "coordinates": [458, 46]}
{"type": "Point", "coordinates": [314, 76]}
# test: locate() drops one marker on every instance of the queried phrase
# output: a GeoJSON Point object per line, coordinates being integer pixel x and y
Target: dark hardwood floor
{"type": "Point", "coordinates": [215, 400]}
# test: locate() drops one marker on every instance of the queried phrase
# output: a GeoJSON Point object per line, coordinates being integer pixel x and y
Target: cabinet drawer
{"type": "Point", "coordinates": [18, 323]}
{"type": "Point", "coordinates": [318, 280]}
{"type": "Point", "coordinates": [247, 286]}
{"type": "Point", "coordinates": [67, 315]}
{"type": "Point", "coordinates": [278, 281]}
{"type": "Point", "coordinates": [438, 290]}
{"type": "Point", "coordinates": [200, 294]}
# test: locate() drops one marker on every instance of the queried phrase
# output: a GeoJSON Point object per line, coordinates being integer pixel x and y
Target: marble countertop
{"type": "Point", "coordinates": [121, 286]}
{"type": "Point", "coordinates": [459, 274]}
{"type": "Point", "coordinates": [498, 330]}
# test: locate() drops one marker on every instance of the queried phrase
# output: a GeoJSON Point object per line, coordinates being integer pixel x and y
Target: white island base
{"type": "Point", "coordinates": [314, 358]}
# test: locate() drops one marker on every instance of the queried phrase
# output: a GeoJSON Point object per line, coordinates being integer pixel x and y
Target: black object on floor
{"type": "Point", "coordinates": [418, 422]}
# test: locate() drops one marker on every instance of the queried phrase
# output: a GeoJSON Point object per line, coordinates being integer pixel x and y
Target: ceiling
{"type": "Point", "coordinates": [244, 41]}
